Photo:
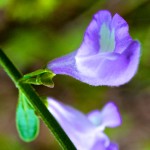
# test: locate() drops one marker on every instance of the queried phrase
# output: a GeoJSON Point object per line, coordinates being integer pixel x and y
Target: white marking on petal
{"type": "Point", "coordinates": [107, 39]}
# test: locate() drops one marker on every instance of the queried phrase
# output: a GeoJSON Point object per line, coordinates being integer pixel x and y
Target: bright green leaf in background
{"type": "Point", "coordinates": [3, 3]}
{"type": "Point", "coordinates": [30, 9]}
{"type": "Point", "coordinates": [26, 121]}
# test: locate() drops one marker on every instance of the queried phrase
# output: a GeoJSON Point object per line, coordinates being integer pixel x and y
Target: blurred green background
{"type": "Point", "coordinates": [33, 32]}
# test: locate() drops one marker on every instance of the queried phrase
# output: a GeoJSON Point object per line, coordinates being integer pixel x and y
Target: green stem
{"type": "Point", "coordinates": [34, 99]}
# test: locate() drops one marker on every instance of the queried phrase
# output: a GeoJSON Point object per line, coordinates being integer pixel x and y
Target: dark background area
{"type": "Point", "coordinates": [33, 32]}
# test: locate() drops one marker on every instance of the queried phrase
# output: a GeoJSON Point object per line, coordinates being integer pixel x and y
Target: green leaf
{"type": "Point", "coordinates": [26, 120]}
{"type": "Point", "coordinates": [39, 77]}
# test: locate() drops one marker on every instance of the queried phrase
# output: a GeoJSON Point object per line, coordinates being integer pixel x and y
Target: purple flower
{"type": "Point", "coordinates": [107, 56]}
{"type": "Point", "coordinates": [86, 131]}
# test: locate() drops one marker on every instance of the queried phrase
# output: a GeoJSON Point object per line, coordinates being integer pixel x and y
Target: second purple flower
{"type": "Point", "coordinates": [107, 56]}
{"type": "Point", "coordinates": [87, 131]}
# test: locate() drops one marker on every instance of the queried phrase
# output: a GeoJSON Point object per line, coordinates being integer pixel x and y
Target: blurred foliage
{"type": "Point", "coordinates": [3, 3]}
{"type": "Point", "coordinates": [34, 32]}
{"type": "Point", "coordinates": [23, 10]}
{"type": "Point", "coordinates": [8, 143]}
{"type": "Point", "coordinates": [146, 145]}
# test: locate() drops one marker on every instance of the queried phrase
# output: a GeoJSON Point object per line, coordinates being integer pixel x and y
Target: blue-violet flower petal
{"type": "Point", "coordinates": [107, 56]}
{"type": "Point", "coordinates": [80, 128]}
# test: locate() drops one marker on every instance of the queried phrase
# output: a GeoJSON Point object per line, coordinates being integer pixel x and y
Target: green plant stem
{"type": "Point", "coordinates": [34, 99]}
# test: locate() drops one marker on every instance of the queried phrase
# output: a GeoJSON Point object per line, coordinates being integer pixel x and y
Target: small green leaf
{"type": "Point", "coordinates": [26, 120]}
{"type": "Point", "coordinates": [45, 79]}
{"type": "Point", "coordinates": [39, 77]}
